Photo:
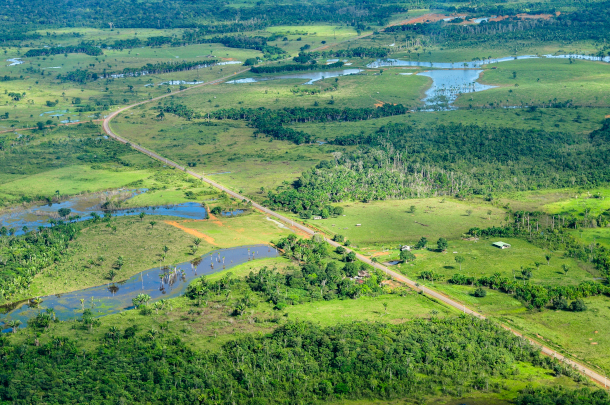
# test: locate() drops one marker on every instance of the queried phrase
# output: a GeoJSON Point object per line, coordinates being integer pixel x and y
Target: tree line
{"type": "Point", "coordinates": [270, 122]}
{"type": "Point", "coordinates": [292, 67]}
{"type": "Point", "coordinates": [86, 48]}
{"type": "Point", "coordinates": [84, 75]}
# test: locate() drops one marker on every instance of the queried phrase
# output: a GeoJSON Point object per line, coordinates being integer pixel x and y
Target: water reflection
{"type": "Point", "coordinates": [311, 76]}
{"type": "Point", "coordinates": [159, 282]}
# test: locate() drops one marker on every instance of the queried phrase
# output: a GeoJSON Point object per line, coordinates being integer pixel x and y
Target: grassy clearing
{"type": "Point", "coordinates": [227, 153]}
{"type": "Point", "coordinates": [391, 223]}
{"type": "Point", "coordinates": [568, 332]}
{"type": "Point", "coordinates": [549, 119]}
{"type": "Point", "coordinates": [72, 180]}
{"type": "Point", "coordinates": [140, 245]}
{"type": "Point", "coordinates": [535, 81]}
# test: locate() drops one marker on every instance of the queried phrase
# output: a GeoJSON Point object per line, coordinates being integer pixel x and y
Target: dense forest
{"type": "Point", "coordinates": [401, 161]}
{"type": "Point", "coordinates": [85, 48]}
{"type": "Point", "coordinates": [210, 17]}
{"type": "Point", "coordinates": [297, 362]}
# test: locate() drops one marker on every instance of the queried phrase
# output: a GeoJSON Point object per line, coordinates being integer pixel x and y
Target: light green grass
{"type": "Point", "coordinates": [540, 80]}
{"type": "Point", "coordinates": [568, 332]}
{"type": "Point", "coordinates": [72, 180]}
{"type": "Point", "coordinates": [390, 223]}
{"type": "Point", "coordinates": [483, 259]}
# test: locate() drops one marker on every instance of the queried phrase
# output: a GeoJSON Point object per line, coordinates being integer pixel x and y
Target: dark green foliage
{"type": "Point", "coordinates": [407, 256]}
{"type": "Point", "coordinates": [22, 257]}
{"type": "Point", "coordinates": [83, 47]}
{"type": "Point", "coordinates": [578, 305]}
{"type": "Point", "coordinates": [480, 292]}
{"type": "Point", "coordinates": [589, 21]}
{"type": "Point", "coordinates": [270, 122]}
{"type": "Point", "coordinates": [535, 296]}
{"type": "Point", "coordinates": [297, 362]}
{"type": "Point", "coordinates": [487, 158]}
{"type": "Point", "coordinates": [562, 396]}
{"type": "Point", "coordinates": [209, 17]}
{"type": "Point", "coordinates": [295, 67]}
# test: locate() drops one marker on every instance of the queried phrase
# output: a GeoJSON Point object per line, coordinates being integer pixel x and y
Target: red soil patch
{"type": "Point", "coordinates": [193, 232]}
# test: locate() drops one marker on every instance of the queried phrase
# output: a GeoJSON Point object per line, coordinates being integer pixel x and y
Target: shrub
{"type": "Point", "coordinates": [480, 292]}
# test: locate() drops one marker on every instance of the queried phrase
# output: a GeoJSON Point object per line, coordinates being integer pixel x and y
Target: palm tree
{"type": "Point", "coordinates": [142, 215]}
{"type": "Point", "coordinates": [14, 324]}
{"type": "Point", "coordinates": [51, 312]}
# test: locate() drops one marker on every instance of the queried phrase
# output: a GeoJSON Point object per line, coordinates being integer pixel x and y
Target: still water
{"type": "Point", "coordinates": [158, 283]}
{"type": "Point", "coordinates": [311, 76]}
{"type": "Point", "coordinates": [85, 206]}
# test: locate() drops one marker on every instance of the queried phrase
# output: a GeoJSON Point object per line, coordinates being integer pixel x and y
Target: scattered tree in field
{"type": "Point", "coordinates": [489, 215]}
{"type": "Point", "coordinates": [421, 244]}
{"type": "Point", "coordinates": [442, 244]}
{"type": "Point", "coordinates": [197, 241]}
{"type": "Point", "coordinates": [565, 268]}
{"type": "Point", "coordinates": [89, 321]}
{"type": "Point", "coordinates": [412, 209]}
{"type": "Point", "coordinates": [480, 292]}
{"type": "Point", "coordinates": [142, 215]}
{"type": "Point", "coordinates": [578, 305]}
{"type": "Point", "coordinates": [385, 307]}
{"type": "Point", "coordinates": [469, 212]}
{"type": "Point", "coordinates": [526, 274]}
{"type": "Point", "coordinates": [407, 256]}
{"type": "Point", "coordinates": [152, 223]}
{"type": "Point", "coordinates": [459, 260]}
{"type": "Point", "coordinates": [548, 259]}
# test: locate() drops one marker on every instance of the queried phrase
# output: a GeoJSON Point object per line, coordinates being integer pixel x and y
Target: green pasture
{"type": "Point", "coordinates": [539, 81]}
{"type": "Point", "coordinates": [568, 332]}
{"type": "Point", "coordinates": [595, 201]}
{"type": "Point", "coordinates": [548, 119]}
{"type": "Point", "coordinates": [71, 180]}
{"type": "Point", "coordinates": [483, 259]}
{"type": "Point", "coordinates": [227, 153]}
{"type": "Point", "coordinates": [390, 223]}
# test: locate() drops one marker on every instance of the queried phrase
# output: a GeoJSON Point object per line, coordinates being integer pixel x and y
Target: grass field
{"type": "Point", "coordinates": [535, 81]}
{"type": "Point", "coordinates": [140, 245]}
{"type": "Point", "coordinates": [227, 153]}
{"type": "Point", "coordinates": [389, 223]}
{"type": "Point", "coordinates": [568, 332]}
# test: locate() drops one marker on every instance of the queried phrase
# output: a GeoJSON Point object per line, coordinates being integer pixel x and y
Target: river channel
{"type": "Point", "coordinates": [158, 283]}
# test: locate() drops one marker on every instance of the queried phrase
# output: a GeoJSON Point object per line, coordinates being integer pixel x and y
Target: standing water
{"type": "Point", "coordinates": [159, 282]}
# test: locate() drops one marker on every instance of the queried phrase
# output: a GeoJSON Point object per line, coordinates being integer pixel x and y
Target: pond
{"type": "Point", "coordinates": [84, 206]}
{"type": "Point", "coordinates": [447, 85]}
{"type": "Point", "coordinates": [159, 283]}
{"type": "Point", "coordinates": [310, 76]}
{"type": "Point", "coordinates": [14, 61]}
